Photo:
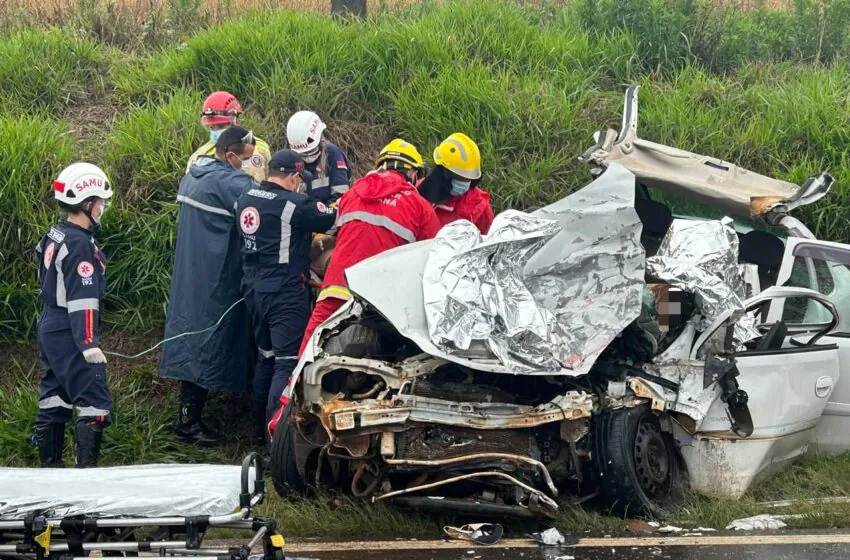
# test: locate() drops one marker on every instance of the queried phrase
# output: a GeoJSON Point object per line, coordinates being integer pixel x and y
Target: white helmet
{"type": "Point", "coordinates": [304, 132]}
{"type": "Point", "coordinates": [81, 181]}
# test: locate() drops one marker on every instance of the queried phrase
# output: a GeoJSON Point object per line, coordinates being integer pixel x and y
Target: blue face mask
{"type": "Point", "coordinates": [459, 187]}
{"type": "Point", "coordinates": [215, 134]}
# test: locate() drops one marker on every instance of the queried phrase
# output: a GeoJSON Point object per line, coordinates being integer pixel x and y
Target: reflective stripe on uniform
{"type": "Point", "coordinates": [284, 358]}
{"type": "Point", "coordinates": [61, 294]}
{"type": "Point", "coordinates": [205, 207]}
{"type": "Point", "coordinates": [378, 220]}
{"type": "Point", "coordinates": [444, 207]}
{"type": "Point", "coordinates": [338, 292]}
{"type": "Point", "coordinates": [81, 304]}
{"type": "Point", "coordinates": [265, 353]}
{"type": "Point", "coordinates": [339, 189]}
{"type": "Point", "coordinates": [285, 232]}
{"type": "Point", "coordinates": [320, 183]}
{"type": "Point", "coordinates": [90, 411]}
{"type": "Point", "coordinates": [53, 402]}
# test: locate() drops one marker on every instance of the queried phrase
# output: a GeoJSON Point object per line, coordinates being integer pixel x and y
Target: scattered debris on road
{"type": "Point", "coordinates": [764, 522]}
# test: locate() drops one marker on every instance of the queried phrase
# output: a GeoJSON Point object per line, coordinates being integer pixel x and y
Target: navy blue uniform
{"type": "Point", "coordinates": [276, 227]}
{"type": "Point", "coordinates": [331, 175]}
{"type": "Point", "coordinates": [72, 278]}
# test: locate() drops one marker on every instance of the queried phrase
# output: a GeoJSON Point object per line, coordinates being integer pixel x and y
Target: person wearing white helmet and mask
{"type": "Point", "coordinates": [325, 161]}
{"type": "Point", "coordinates": [72, 281]}
{"type": "Point", "coordinates": [220, 111]}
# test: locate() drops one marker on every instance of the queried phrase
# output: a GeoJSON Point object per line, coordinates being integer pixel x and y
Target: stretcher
{"type": "Point", "coordinates": [157, 511]}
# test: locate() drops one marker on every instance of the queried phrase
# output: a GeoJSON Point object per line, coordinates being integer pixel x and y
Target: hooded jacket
{"type": "Point", "coordinates": [206, 281]}
{"type": "Point", "coordinates": [381, 211]}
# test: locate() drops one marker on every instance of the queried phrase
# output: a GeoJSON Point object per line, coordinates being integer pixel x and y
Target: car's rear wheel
{"type": "Point", "coordinates": [640, 469]}
{"type": "Point", "coordinates": [283, 465]}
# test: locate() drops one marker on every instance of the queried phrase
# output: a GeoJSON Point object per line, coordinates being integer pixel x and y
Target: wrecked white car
{"type": "Point", "coordinates": [597, 347]}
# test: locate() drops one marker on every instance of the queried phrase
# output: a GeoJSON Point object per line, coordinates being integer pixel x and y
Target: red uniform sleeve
{"type": "Point", "coordinates": [485, 220]}
{"type": "Point", "coordinates": [429, 225]}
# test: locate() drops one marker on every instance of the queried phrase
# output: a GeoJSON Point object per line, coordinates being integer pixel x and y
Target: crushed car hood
{"type": "Point", "coordinates": [586, 277]}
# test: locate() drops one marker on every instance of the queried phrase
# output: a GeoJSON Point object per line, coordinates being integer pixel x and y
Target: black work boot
{"type": "Point", "coordinates": [50, 440]}
{"type": "Point", "coordinates": [87, 439]}
{"type": "Point", "coordinates": [191, 428]}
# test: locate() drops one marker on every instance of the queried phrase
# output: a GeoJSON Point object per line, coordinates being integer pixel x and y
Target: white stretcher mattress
{"type": "Point", "coordinates": [134, 491]}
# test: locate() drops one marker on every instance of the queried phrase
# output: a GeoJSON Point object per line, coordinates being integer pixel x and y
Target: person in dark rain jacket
{"type": "Point", "coordinates": [206, 282]}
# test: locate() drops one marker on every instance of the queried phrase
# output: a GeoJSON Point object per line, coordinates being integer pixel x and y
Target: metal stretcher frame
{"type": "Point", "coordinates": [38, 537]}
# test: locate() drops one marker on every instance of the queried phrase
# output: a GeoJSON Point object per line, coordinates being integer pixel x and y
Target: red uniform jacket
{"type": "Point", "coordinates": [381, 211]}
{"type": "Point", "coordinates": [473, 205]}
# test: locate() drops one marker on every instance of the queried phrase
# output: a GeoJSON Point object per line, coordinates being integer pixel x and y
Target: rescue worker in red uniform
{"type": "Point", "coordinates": [381, 211]}
{"type": "Point", "coordinates": [452, 187]}
{"type": "Point", "coordinates": [72, 281]}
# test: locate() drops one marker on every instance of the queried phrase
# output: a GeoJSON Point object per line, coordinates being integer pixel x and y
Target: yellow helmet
{"type": "Point", "coordinates": [399, 154]}
{"type": "Point", "coordinates": [460, 155]}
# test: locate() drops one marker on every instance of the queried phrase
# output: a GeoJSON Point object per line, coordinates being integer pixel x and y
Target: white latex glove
{"type": "Point", "coordinates": [94, 356]}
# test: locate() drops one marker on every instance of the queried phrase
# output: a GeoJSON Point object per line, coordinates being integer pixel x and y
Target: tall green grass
{"type": "Point", "coordinates": [141, 419]}
{"type": "Point", "coordinates": [721, 35]}
{"type": "Point", "coordinates": [47, 70]}
{"type": "Point", "coordinates": [32, 149]}
{"type": "Point", "coordinates": [530, 84]}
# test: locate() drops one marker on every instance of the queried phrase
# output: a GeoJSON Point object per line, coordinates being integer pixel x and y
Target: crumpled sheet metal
{"type": "Point", "coordinates": [135, 491]}
{"type": "Point", "coordinates": [702, 259]}
{"type": "Point", "coordinates": [546, 291]}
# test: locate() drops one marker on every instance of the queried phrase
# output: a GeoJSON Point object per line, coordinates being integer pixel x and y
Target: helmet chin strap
{"type": "Point", "coordinates": [86, 209]}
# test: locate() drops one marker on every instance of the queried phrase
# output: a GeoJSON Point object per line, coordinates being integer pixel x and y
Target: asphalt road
{"type": "Point", "coordinates": [780, 546]}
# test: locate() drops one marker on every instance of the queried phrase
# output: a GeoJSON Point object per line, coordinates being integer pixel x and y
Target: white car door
{"type": "Point", "coordinates": [824, 267]}
{"type": "Point", "coordinates": [785, 385]}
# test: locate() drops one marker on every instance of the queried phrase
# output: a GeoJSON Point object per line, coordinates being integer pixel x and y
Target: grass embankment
{"type": "Point", "coordinates": [766, 89]}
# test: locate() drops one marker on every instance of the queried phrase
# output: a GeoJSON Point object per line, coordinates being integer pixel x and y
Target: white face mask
{"type": "Point", "coordinates": [459, 187]}
{"type": "Point", "coordinates": [311, 158]}
{"type": "Point", "coordinates": [246, 164]}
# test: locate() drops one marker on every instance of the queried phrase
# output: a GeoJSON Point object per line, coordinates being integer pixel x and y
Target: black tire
{"type": "Point", "coordinates": [355, 341]}
{"type": "Point", "coordinates": [282, 462]}
{"type": "Point", "coordinates": [640, 469]}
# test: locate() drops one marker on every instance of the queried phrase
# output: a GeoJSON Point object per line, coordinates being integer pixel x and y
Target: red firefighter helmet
{"type": "Point", "coordinates": [220, 107]}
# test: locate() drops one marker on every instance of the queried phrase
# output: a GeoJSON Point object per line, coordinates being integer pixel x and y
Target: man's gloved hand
{"type": "Point", "coordinates": [94, 356]}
